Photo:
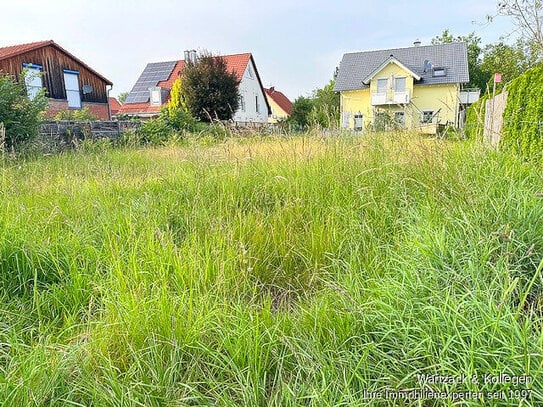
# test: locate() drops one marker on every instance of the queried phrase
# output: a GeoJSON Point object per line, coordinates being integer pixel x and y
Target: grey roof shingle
{"type": "Point", "coordinates": [356, 66]}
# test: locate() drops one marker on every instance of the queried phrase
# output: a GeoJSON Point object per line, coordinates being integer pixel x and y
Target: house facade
{"type": "Point", "coordinates": [281, 106]}
{"type": "Point", "coordinates": [418, 87]}
{"type": "Point", "coordinates": [69, 83]}
{"type": "Point", "coordinates": [152, 89]}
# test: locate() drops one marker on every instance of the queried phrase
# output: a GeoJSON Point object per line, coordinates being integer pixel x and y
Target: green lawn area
{"type": "Point", "coordinates": [293, 271]}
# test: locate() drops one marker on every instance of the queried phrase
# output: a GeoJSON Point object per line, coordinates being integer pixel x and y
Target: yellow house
{"type": "Point", "coordinates": [417, 87]}
{"type": "Point", "coordinates": [281, 106]}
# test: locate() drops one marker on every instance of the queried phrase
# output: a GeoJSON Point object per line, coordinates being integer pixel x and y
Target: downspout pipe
{"type": "Point", "coordinates": [108, 105]}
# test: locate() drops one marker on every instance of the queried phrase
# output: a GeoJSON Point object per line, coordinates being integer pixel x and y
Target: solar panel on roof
{"type": "Point", "coordinates": [152, 74]}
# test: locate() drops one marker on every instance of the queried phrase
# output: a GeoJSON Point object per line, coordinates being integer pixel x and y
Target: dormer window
{"type": "Point", "coordinates": [439, 71]}
{"type": "Point", "coordinates": [155, 96]}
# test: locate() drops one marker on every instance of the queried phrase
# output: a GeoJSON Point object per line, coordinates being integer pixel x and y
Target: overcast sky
{"type": "Point", "coordinates": [296, 44]}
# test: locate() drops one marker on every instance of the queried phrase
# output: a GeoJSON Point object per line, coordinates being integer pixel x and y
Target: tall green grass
{"type": "Point", "coordinates": [297, 271]}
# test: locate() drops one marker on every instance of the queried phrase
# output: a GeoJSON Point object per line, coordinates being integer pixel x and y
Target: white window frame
{"type": "Point", "coordinates": [33, 79]}
{"type": "Point", "coordinates": [400, 79]}
{"type": "Point", "coordinates": [155, 96]}
{"type": "Point", "coordinates": [439, 72]}
{"type": "Point", "coordinates": [73, 95]}
{"type": "Point", "coordinates": [427, 116]}
{"type": "Point", "coordinates": [384, 88]}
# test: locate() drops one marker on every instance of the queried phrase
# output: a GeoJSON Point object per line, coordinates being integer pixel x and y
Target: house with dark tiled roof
{"type": "Point", "coordinates": [152, 89]}
{"type": "Point", "coordinates": [281, 106]}
{"type": "Point", "coordinates": [69, 82]}
{"type": "Point", "coordinates": [415, 87]}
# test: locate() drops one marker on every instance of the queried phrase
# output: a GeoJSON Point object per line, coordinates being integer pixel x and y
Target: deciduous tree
{"type": "Point", "coordinates": [209, 90]}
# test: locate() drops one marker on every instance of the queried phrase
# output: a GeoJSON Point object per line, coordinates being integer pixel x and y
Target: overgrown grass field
{"type": "Point", "coordinates": [297, 271]}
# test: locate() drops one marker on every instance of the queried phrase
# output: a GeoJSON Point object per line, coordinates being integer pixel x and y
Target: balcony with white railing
{"type": "Point", "coordinates": [390, 97]}
{"type": "Point", "coordinates": [469, 96]}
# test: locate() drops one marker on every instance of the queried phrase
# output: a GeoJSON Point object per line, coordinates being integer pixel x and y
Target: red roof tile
{"type": "Point", "coordinates": [236, 63]}
{"type": "Point", "coordinates": [134, 108]}
{"type": "Point", "coordinates": [279, 98]}
{"type": "Point", "coordinates": [8, 52]}
{"type": "Point", "coordinates": [114, 105]}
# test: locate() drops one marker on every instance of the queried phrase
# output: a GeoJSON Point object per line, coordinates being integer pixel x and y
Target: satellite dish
{"type": "Point", "coordinates": [427, 65]}
{"type": "Point", "coordinates": [87, 89]}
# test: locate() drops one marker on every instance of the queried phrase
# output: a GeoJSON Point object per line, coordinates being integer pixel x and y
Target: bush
{"type": "Point", "coordinates": [20, 115]}
{"type": "Point", "coordinates": [80, 115]}
{"type": "Point", "coordinates": [156, 131]}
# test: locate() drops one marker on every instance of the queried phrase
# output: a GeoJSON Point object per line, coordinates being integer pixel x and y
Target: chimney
{"type": "Point", "coordinates": [190, 55]}
{"type": "Point", "coordinates": [417, 43]}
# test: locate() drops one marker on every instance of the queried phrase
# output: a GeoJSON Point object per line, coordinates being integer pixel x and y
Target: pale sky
{"type": "Point", "coordinates": [296, 44]}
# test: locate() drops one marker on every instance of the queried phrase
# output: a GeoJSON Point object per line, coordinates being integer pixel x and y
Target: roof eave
{"type": "Point", "coordinates": [393, 60]}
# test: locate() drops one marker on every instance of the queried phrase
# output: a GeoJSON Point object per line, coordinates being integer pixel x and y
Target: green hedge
{"type": "Point", "coordinates": [523, 116]}
{"type": "Point", "coordinates": [475, 119]}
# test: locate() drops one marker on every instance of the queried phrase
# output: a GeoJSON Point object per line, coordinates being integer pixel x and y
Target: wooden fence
{"type": "Point", "coordinates": [494, 118]}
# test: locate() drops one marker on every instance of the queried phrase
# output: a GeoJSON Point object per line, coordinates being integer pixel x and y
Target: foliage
{"type": "Point", "coordinates": [483, 61]}
{"type": "Point", "coordinates": [321, 109]}
{"type": "Point", "coordinates": [298, 271]}
{"type": "Point", "coordinates": [176, 102]}
{"type": "Point", "coordinates": [527, 16]}
{"type": "Point", "coordinates": [325, 110]}
{"type": "Point", "coordinates": [509, 60]}
{"type": "Point", "coordinates": [122, 97]}
{"type": "Point", "coordinates": [156, 131]}
{"type": "Point", "coordinates": [208, 89]}
{"type": "Point", "coordinates": [80, 115]}
{"type": "Point", "coordinates": [20, 115]}
{"type": "Point", "coordinates": [475, 119]}
{"type": "Point", "coordinates": [176, 113]}
{"type": "Point", "coordinates": [301, 110]}
{"type": "Point", "coordinates": [523, 129]}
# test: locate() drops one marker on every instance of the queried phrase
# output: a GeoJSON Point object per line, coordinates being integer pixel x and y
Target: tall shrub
{"type": "Point", "coordinates": [523, 116]}
{"type": "Point", "coordinates": [21, 115]}
{"type": "Point", "coordinates": [209, 89]}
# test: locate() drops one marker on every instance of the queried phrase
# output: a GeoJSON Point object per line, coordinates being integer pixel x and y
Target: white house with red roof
{"type": "Point", "coordinates": [152, 89]}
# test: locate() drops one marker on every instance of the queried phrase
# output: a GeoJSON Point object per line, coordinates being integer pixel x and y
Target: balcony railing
{"type": "Point", "coordinates": [390, 97]}
{"type": "Point", "coordinates": [469, 96]}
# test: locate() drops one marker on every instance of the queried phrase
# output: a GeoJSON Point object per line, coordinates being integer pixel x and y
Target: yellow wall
{"type": "Point", "coordinates": [278, 114]}
{"type": "Point", "coordinates": [387, 72]}
{"type": "Point", "coordinates": [423, 98]}
{"type": "Point", "coordinates": [435, 97]}
{"type": "Point", "coordinates": [354, 102]}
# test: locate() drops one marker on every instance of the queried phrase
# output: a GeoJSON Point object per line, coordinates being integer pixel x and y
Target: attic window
{"type": "Point", "coordinates": [439, 71]}
{"type": "Point", "coordinates": [249, 72]}
{"type": "Point", "coordinates": [155, 96]}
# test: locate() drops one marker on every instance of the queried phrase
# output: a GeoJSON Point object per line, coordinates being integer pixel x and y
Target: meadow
{"type": "Point", "coordinates": [274, 271]}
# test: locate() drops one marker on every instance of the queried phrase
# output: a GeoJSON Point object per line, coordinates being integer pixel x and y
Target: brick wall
{"type": "Point", "coordinates": [100, 110]}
